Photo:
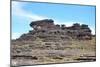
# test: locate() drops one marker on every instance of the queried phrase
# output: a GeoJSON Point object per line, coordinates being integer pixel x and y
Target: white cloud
{"type": "Point", "coordinates": [16, 35]}
{"type": "Point", "coordinates": [17, 9]}
{"type": "Point", "coordinates": [93, 30]}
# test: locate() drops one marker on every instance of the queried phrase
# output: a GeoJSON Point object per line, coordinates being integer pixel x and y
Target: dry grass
{"type": "Point", "coordinates": [75, 49]}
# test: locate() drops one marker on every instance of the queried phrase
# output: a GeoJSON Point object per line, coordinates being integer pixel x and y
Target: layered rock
{"type": "Point", "coordinates": [47, 28]}
{"type": "Point", "coordinates": [49, 40]}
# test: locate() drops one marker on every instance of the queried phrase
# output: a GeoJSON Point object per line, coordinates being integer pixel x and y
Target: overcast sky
{"type": "Point", "coordinates": [25, 12]}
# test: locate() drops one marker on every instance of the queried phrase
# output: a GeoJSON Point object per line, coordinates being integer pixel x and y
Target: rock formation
{"type": "Point", "coordinates": [46, 28]}
{"type": "Point", "coordinates": [50, 41]}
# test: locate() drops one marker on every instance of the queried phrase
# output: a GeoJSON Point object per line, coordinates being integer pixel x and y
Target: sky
{"type": "Point", "coordinates": [23, 13]}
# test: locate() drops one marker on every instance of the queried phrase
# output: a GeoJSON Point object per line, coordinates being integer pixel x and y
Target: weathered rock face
{"type": "Point", "coordinates": [51, 41]}
{"type": "Point", "coordinates": [43, 24]}
{"type": "Point", "coordinates": [48, 27]}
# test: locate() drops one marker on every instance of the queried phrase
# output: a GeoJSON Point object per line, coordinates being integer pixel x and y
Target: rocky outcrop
{"type": "Point", "coordinates": [49, 41]}
{"type": "Point", "coordinates": [46, 28]}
